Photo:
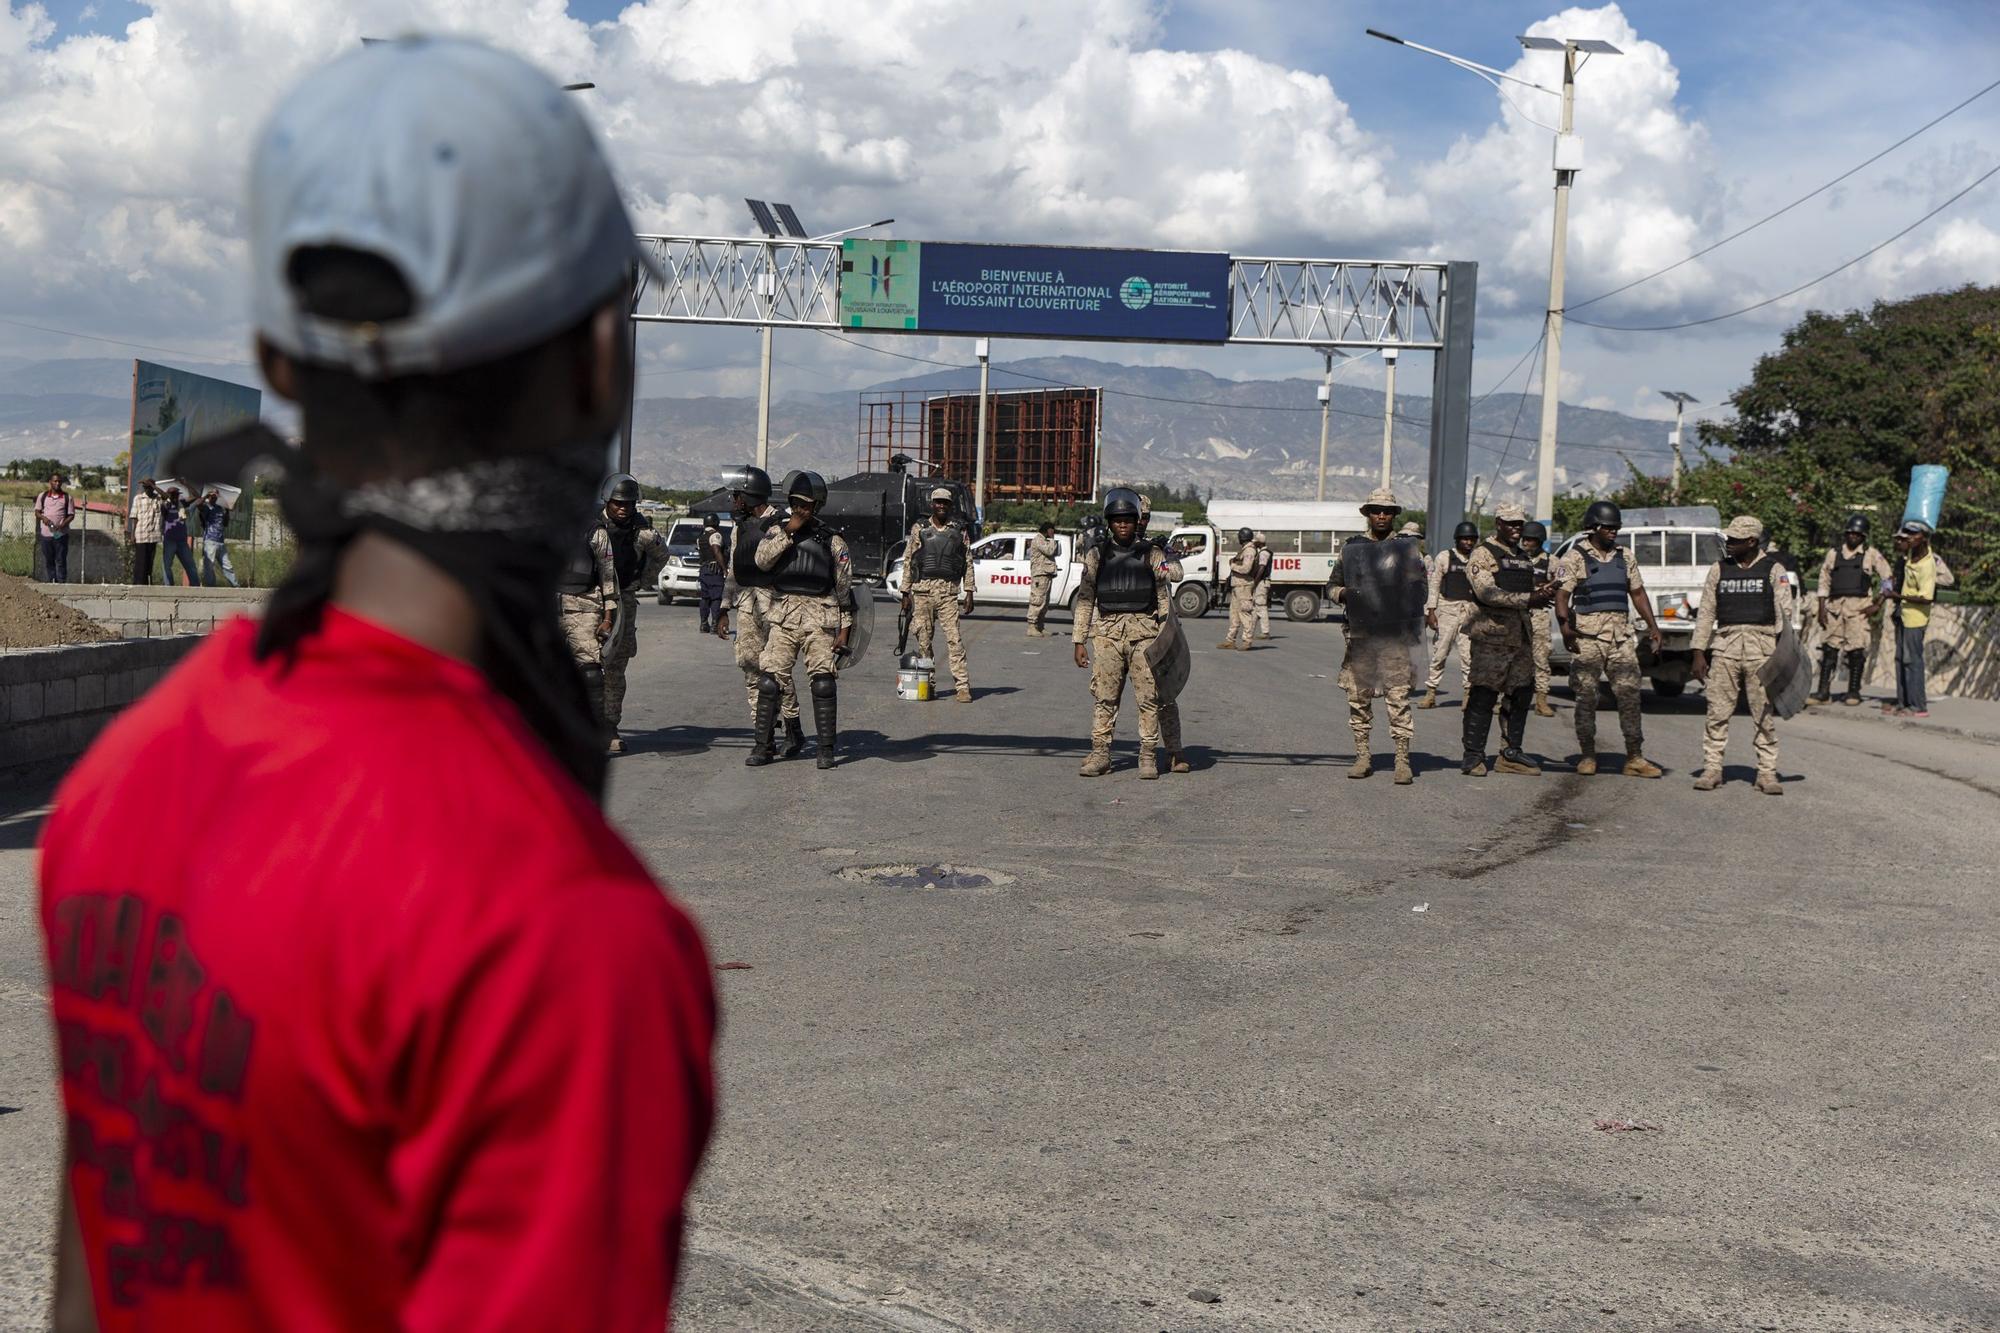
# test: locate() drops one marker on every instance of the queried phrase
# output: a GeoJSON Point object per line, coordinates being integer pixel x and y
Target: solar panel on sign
{"type": "Point", "coordinates": [789, 218]}
{"type": "Point", "coordinates": [761, 211]}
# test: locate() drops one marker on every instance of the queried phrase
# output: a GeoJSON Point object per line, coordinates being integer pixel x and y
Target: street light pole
{"type": "Point", "coordinates": [982, 348]}
{"type": "Point", "coordinates": [1388, 413]}
{"type": "Point", "coordinates": [1681, 400]}
{"type": "Point", "coordinates": [1325, 419]}
{"type": "Point", "coordinates": [1545, 471]}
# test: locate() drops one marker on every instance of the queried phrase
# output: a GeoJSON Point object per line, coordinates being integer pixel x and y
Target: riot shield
{"type": "Point", "coordinates": [1786, 675]}
{"type": "Point", "coordinates": [1384, 585]}
{"type": "Point", "coordinates": [1169, 659]}
{"type": "Point", "coordinates": [862, 600]}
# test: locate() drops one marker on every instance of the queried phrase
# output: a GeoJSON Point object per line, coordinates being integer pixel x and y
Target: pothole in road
{"type": "Point", "coordinates": [963, 879]}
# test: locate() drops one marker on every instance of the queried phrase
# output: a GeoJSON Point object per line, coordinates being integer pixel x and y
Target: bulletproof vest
{"type": "Point", "coordinates": [1455, 586]}
{"type": "Point", "coordinates": [1125, 578]}
{"type": "Point", "coordinates": [743, 559]}
{"type": "Point", "coordinates": [579, 576]}
{"type": "Point", "coordinates": [1849, 578]}
{"type": "Point", "coordinates": [1517, 572]}
{"type": "Point", "coordinates": [808, 567]}
{"type": "Point", "coordinates": [711, 559]}
{"type": "Point", "coordinates": [1746, 596]}
{"type": "Point", "coordinates": [940, 552]}
{"type": "Point", "coordinates": [1606, 585]}
{"type": "Point", "coordinates": [1540, 560]}
{"type": "Point", "coordinates": [624, 551]}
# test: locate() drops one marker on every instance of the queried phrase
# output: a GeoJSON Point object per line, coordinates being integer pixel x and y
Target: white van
{"type": "Point", "coordinates": [1304, 537]}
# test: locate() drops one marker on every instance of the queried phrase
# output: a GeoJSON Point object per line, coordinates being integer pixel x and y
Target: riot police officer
{"type": "Point", "coordinates": [936, 565]}
{"type": "Point", "coordinates": [1121, 603]}
{"type": "Point", "coordinates": [1597, 586]}
{"type": "Point", "coordinates": [1242, 591]}
{"type": "Point", "coordinates": [748, 593]}
{"type": "Point", "coordinates": [588, 598]}
{"type": "Point", "coordinates": [1504, 585]}
{"type": "Point", "coordinates": [1449, 607]}
{"type": "Point", "coordinates": [1534, 540]}
{"type": "Point", "coordinates": [638, 551]}
{"type": "Point", "coordinates": [811, 613]}
{"type": "Point", "coordinates": [1380, 580]}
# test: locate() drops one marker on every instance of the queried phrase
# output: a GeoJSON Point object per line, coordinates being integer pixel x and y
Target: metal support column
{"type": "Point", "coordinates": [983, 348]}
{"type": "Point", "coordinates": [1451, 402]}
{"type": "Point", "coordinates": [1325, 420]}
{"type": "Point", "coordinates": [1388, 413]}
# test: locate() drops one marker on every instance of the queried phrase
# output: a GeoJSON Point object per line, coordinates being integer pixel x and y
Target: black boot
{"type": "Point", "coordinates": [795, 738]}
{"type": "Point", "coordinates": [826, 716]}
{"type": "Point", "coordinates": [761, 748]}
{"type": "Point", "coordinates": [1475, 726]}
{"type": "Point", "coordinates": [1857, 664]}
{"type": "Point", "coordinates": [1829, 658]}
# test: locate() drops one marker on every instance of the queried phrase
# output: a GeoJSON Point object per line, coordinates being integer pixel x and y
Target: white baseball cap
{"type": "Point", "coordinates": [467, 169]}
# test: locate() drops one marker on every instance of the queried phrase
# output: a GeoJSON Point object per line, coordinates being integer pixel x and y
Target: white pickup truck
{"type": "Point", "coordinates": [1304, 538]}
{"type": "Point", "coordinates": [1000, 574]}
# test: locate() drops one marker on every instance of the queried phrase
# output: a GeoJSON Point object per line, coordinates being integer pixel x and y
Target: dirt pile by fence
{"type": "Point", "coordinates": [30, 620]}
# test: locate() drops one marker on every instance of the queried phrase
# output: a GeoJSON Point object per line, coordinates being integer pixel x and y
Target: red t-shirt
{"type": "Point", "coordinates": [368, 1020]}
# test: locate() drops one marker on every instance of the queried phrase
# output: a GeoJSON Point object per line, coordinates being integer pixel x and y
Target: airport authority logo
{"type": "Point", "coordinates": [1136, 293]}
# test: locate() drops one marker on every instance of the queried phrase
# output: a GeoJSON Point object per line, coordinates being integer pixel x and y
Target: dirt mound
{"type": "Point", "coordinates": [30, 620]}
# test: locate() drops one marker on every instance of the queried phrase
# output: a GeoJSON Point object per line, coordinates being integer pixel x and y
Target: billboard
{"type": "Point", "coordinates": [171, 408]}
{"type": "Point", "coordinates": [1034, 291]}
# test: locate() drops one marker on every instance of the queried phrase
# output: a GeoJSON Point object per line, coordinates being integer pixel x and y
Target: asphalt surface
{"type": "Point", "coordinates": [1330, 1051]}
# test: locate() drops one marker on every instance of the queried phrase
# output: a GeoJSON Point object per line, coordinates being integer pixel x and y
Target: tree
{"type": "Point", "coordinates": [1962, 414]}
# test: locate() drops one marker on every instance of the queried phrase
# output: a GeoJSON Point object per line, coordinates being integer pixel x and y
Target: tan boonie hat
{"type": "Point", "coordinates": [1511, 513]}
{"type": "Point", "coordinates": [941, 493]}
{"type": "Point", "coordinates": [1381, 498]}
{"type": "Point", "coordinates": [1409, 530]}
{"type": "Point", "coordinates": [1744, 525]}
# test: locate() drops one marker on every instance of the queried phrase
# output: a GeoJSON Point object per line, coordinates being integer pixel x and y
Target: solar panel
{"type": "Point", "coordinates": [1597, 48]}
{"type": "Point", "coordinates": [761, 211]}
{"type": "Point", "coordinates": [789, 217]}
{"type": "Point", "coordinates": [1540, 43]}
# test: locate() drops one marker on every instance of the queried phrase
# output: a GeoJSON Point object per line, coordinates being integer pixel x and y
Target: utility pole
{"type": "Point", "coordinates": [1681, 400]}
{"type": "Point", "coordinates": [982, 348]}
{"type": "Point", "coordinates": [1388, 413]}
{"type": "Point", "coordinates": [1568, 157]}
{"type": "Point", "coordinates": [1325, 419]}
{"type": "Point", "coordinates": [764, 393]}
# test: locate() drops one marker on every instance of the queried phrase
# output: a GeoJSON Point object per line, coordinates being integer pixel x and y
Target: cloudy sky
{"type": "Point", "coordinates": [1254, 127]}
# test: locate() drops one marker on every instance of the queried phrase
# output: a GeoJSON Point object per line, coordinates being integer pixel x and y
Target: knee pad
{"type": "Point", "coordinates": [823, 686]}
{"type": "Point", "coordinates": [767, 685]}
{"type": "Point", "coordinates": [593, 675]}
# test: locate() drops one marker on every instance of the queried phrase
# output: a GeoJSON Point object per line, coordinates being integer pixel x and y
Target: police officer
{"type": "Point", "coordinates": [588, 597]}
{"type": "Point", "coordinates": [1411, 529]}
{"type": "Point", "coordinates": [937, 564]}
{"type": "Point", "coordinates": [1260, 587]}
{"type": "Point", "coordinates": [811, 613]}
{"type": "Point", "coordinates": [1596, 587]}
{"type": "Point", "coordinates": [1449, 607]}
{"type": "Point", "coordinates": [748, 591]}
{"type": "Point", "coordinates": [1744, 604]}
{"type": "Point", "coordinates": [1242, 591]}
{"type": "Point", "coordinates": [1535, 537]}
{"type": "Point", "coordinates": [1170, 709]}
{"type": "Point", "coordinates": [1850, 579]}
{"type": "Point", "coordinates": [1377, 662]}
{"type": "Point", "coordinates": [638, 550]}
{"type": "Point", "coordinates": [713, 552]}
{"type": "Point", "coordinates": [1121, 602]}
{"type": "Point", "coordinates": [1503, 663]}
{"type": "Point", "coordinates": [1043, 551]}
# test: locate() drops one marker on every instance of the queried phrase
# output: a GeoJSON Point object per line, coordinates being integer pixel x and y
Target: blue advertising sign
{"type": "Point", "coordinates": [1035, 291]}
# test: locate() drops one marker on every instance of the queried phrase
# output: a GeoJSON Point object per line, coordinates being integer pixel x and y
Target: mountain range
{"type": "Point", "coordinates": [1251, 439]}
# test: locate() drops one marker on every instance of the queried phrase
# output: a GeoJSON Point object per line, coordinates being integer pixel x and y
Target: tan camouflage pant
{"type": "Point", "coordinates": [1732, 665]}
{"type": "Point", "coordinates": [934, 602]}
{"type": "Point", "coordinates": [1242, 615]}
{"type": "Point", "coordinates": [1617, 660]}
{"type": "Point", "coordinates": [580, 618]}
{"type": "Point", "coordinates": [753, 632]}
{"type": "Point", "coordinates": [1118, 646]}
{"type": "Point", "coordinates": [619, 650]}
{"type": "Point", "coordinates": [803, 630]}
{"type": "Point", "coordinates": [1451, 630]}
{"type": "Point", "coordinates": [1540, 623]}
{"type": "Point", "coordinates": [1038, 599]}
{"type": "Point", "coordinates": [1848, 625]}
{"type": "Point", "coordinates": [1260, 603]}
{"type": "Point", "coordinates": [1502, 657]}
{"type": "Point", "coordinates": [1371, 668]}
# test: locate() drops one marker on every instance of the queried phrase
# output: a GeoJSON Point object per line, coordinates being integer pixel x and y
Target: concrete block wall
{"type": "Point", "coordinates": [138, 611]}
{"type": "Point", "coordinates": [1961, 653]}
{"type": "Point", "coordinates": [54, 701]}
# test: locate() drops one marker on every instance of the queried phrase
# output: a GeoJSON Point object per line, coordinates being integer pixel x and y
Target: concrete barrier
{"type": "Point", "coordinates": [54, 701]}
{"type": "Point", "coordinates": [143, 611]}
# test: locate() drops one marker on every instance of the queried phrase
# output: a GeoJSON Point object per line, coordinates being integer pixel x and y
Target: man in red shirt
{"type": "Point", "coordinates": [417, 1043]}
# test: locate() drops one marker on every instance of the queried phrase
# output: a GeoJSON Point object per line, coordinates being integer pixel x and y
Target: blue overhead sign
{"type": "Point", "coordinates": [1035, 291]}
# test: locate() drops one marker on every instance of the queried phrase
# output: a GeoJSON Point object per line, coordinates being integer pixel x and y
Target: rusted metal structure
{"type": "Point", "coordinates": [1042, 443]}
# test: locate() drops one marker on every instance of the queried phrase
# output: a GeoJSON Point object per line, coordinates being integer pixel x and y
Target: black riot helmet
{"type": "Point", "coordinates": [754, 482]}
{"type": "Point", "coordinates": [1858, 523]}
{"type": "Point", "coordinates": [1603, 514]}
{"type": "Point", "coordinates": [1533, 532]}
{"type": "Point", "coordinates": [808, 486]}
{"type": "Point", "coordinates": [1464, 530]}
{"type": "Point", "coordinates": [711, 520]}
{"type": "Point", "coordinates": [1121, 502]}
{"type": "Point", "coordinates": [624, 488]}
{"type": "Point", "coordinates": [1243, 536]}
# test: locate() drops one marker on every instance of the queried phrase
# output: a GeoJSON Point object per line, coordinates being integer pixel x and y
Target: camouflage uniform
{"type": "Point", "coordinates": [1170, 709]}
{"type": "Point", "coordinates": [1605, 646]}
{"type": "Point", "coordinates": [624, 642]}
{"type": "Point", "coordinates": [752, 608]}
{"type": "Point", "coordinates": [1384, 661]}
{"type": "Point", "coordinates": [804, 627]}
{"type": "Point", "coordinates": [1452, 616]}
{"type": "Point", "coordinates": [583, 614]}
{"type": "Point", "coordinates": [1502, 655]}
{"type": "Point", "coordinates": [934, 602]}
{"type": "Point", "coordinates": [1242, 613]}
{"type": "Point", "coordinates": [1118, 643]}
{"type": "Point", "coordinates": [1042, 554]}
{"type": "Point", "coordinates": [1735, 653]}
{"type": "Point", "coordinates": [1541, 623]}
{"type": "Point", "coordinates": [1260, 590]}
{"type": "Point", "coordinates": [1849, 627]}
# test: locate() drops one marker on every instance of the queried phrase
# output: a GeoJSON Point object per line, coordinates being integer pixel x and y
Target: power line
{"type": "Point", "coordinates": [115, 342]}
{"type": "Point", "coordinates": [1773, 300]}
{"type": "Point", "coordinates": [1770, 217]}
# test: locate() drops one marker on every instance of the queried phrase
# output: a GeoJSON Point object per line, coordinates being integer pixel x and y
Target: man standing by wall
{"type": "Point", "coordinates": [937, 563]}
{"type": "Point", "coordinates": [1043, 551]}
{"type": "Point", "coordinates": [1242, 584]}
{"type": "Point", "coordinates": [1914, 598]}
{"type": "Point", "coordinates": [1597, 587]}
{"type": "Point", "coordinates": [174, 538]}
{"type": "Point", "coordinates": [1744, 603]}
{"type": "Point", "coordinates": [1849, 580]}
{"type": "Point", "coordinates": [1449, 607]}
{"type": "Point", "coordinates": [213, 516]}
{"type": "Point", "coordinates": [54, 511]}
{"type": "Point", "coordinates": [145, 532]}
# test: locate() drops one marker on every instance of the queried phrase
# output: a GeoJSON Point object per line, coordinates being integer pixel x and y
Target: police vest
{"type": "Point", "coordinates": [1517, 572]}
{"type": "Point", "coordinates": [743, 559]}
{"type": "Point", "coordinates": [1747, 596]}
{"type": "Point", "coordinates": [1849, 579]}
{"type": "Point", "coordinates": [807, 568]}
{"type": "Point", "coordinates": [1540, 560]}
{"type": "Point", "coordinates": [579, 576]}
{"type": "Point", "coordinates": [625, 549]}
{"type": "Point", "coordinates": [940, 552]}
{"type": "Point", "coordinates": [1606, 586]}
{"type": "Point", "coordinates": [1125, 582]}
{"type": "Point", "coordinates": [1455, 586]}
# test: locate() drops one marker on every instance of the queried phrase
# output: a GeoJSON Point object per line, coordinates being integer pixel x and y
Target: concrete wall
{"type": "Point", "coordinates": [54, 701]}
{"type": "Point", "coordinates": [1961, 653]}
{"type": "Point", "coordinates": [142, 612]}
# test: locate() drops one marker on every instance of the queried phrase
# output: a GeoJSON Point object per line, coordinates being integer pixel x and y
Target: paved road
{"type": "Point", "coordinates": [1196, 1037]}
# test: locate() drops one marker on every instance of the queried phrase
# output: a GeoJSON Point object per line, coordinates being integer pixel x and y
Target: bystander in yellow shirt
{"type": "Point", "coordinates": [1919, 580]}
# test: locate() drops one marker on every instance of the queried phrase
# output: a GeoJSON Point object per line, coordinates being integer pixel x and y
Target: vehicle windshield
{"type": "Point", "coordinates": [684, 534]}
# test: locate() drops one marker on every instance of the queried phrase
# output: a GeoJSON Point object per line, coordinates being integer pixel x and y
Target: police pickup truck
{"type": "Point", "coordinates": [1000, 574]}
{"type": "Point", "coordinates": [681, 575]}
{"type": "Point", "coordinates": [1304, 540]}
